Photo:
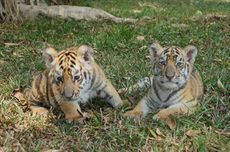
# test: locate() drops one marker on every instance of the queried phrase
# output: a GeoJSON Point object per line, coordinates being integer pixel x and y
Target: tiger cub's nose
{"type": "Point", "coordinates": [68, 94]}
{"type": "Point", "coordinates": [170, 72]}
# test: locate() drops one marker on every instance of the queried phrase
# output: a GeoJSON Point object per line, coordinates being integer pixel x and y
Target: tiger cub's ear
{"type": "Point", "coordinates": [49, 55]}
{"type": "Point", "coordinates": [85, 54]}
{"type": "Point", "coordinates": [190, 52]}
{"type": "Point", "coordinates": [154, 50]}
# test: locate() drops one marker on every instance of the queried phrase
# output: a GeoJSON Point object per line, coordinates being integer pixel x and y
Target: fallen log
{"type": "Point", "coordinates": [71, 12]}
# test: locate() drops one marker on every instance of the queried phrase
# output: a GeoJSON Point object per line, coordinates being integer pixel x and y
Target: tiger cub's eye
{"type": "Point", "coordinates": [162, 63]}
{"type": "Point", "coordinates": [76, 77]}
{"type": "Point", "coordinates": [179, 64]}
{"type": "Point", "coordinates": [59, 78]}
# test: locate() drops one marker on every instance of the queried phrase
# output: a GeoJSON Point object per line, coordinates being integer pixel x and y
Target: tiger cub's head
{"type": "Point", "coordinates": [68, 69]}
{"type": "Point", "coordinates": [172, 65]}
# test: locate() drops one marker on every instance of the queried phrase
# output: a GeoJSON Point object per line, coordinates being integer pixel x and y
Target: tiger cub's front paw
{"type": "Point", "coordinates": [161, 115]}
{"type": "Point", "coordinates": [78, 118]}
{"type": "Point", "coordinates": [133, 114]}
{"type": "Point", "coordinates": [73, 118]}
{"type": "Point", "coordinates": [41, 111]}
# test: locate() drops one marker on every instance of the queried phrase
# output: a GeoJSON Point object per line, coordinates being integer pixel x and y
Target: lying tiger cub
{"type": "Point", "coordinates": [71, 77]}
{"type": "Point", "coordinates": [176, 86]}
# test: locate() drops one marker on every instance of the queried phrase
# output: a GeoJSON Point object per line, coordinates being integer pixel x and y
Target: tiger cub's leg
{"type": "Point", "coordinates": [140, 110]}
{"type": "Point", "coordinates": [110, 94]}
{"type": "Point", "coordinates": [71, 110]}
{"type": "Point", "coordinates": [32, 98]}
{"type": "Point", "coordinates": [178, 108]}
{"type": "Point", "coordinates": [36, 110]}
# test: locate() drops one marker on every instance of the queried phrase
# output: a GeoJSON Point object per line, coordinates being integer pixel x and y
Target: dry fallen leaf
{"type": "Point", "coordinates": [18, 95]}
{"type": "Point", "coordinates": [225, 133]}
{"type": "Point", "coordinates": [159, 132]}
{"type": "Point", "coordinates": [213, 17]}
{"type": "Point", "coordinates": [2, 62]}
{"type": "Point", "coordinates": [220, 85]}
{"type": "Point", "coordinates": [151, 5]}
{"type": "Point", "coordinates": [159, 139]}
{"type": "Point", "coordinates": [153, 133]}
{"type": "Point", "coordinates": [50, 150]}
{"type": "Point", "coordinates": [192, 133]}
{"type": "Point", "coordinates": [140, 38]}
{"type": "Point", "coordinates": [180, 25]}
{"type": "Point", "coordinates": [85, 116]}
{"type": "Point", "coordinates": [11, 44]}
{"type": "Point", "coordinates": [143, 47]}
{"type": "Point", "coordinates": [136, 11]}
{"type": "Point", "coordinates": [217, 60]}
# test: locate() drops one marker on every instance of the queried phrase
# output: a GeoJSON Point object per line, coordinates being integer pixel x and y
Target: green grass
{"type": "Point", "coordinates": [124, 61]}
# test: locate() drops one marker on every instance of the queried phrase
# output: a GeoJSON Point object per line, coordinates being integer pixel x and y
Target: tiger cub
{"type": "Point", "coordinates": [72, 77]}
{"type": "Point", "coordinates": [176, 86]}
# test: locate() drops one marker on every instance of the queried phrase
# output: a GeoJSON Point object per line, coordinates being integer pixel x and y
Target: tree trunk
{"type": "Point", "coordinates": [71, 12]}
{"type": "Point", "coordinates": [9, 10]}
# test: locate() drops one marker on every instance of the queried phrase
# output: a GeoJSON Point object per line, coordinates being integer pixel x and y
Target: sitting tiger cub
{"type": "Point", "coordinates": [176, 86]}
{"type": "Point", "coordinates": [71, 77]}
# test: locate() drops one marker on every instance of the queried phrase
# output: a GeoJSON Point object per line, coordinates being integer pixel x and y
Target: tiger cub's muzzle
{"type": "Point", "coordinates": [70, 91]}
{"type": "Point", "coordinates": [70, 95]}
{"type": "Point", "coordinates": [170, 72]}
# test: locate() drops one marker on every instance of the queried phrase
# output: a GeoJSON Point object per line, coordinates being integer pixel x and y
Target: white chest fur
{"type": "Point", "coordinates": [86, 93]}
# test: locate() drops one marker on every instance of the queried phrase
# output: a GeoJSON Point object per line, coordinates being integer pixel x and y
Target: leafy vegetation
{"type": "Point", "coordinates": [121, 51]}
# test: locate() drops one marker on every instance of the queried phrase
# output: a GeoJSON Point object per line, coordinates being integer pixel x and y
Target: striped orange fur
{"type": "Point", "coordinates": [72, 77]}
{"type": "Point", "coordinates": [176, 86]}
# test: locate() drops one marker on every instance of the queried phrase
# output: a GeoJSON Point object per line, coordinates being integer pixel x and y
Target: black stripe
{"type": "Point", "coordinates": [108, 97]}
{"type": "Point", "coordinates": [104, 87]}
{"type": "Point", "coordinates": [34, 97]}
{"type": "Point", "coordinates": [72, 62]}
{"type": "Point", "coordinates": [187, 68]}
{"type": "Point", "coordinates": [166, 50]}
{"type": "Point", "coordinates": [72, 56]}
{"type": "Point", "coordinates": [101, 89]}
{"type": "Point", "coordinates": [99, 92]}
{"type": "Point", "coordinates": [60, 62]}
{"type": "Point", "coordinates": [177, 50]}
{"type": "Point", "coordinates": [193, 99]}
{"type": "Point", "coordinates": [89, 76]}
{"type": "Point", "coordinates": [61, 56]}
{"type": "Point", "coordinates": [181, 96]}
{"type": "Point", "coordinates": [85, 75]}
{"type": "Point", "coordinates": [174, 92]}
{"type": "Point", "coordinates": [61, 53]}
{"type": "Point", "coordinates": [156, 91]}
{"type": "Point", "coordinates": [97, 85]}
{"type": "Point", "coordinates": [47, 88]}
{"type": "Point", "coordinates": [52, 94]}
{"type": "Point", "coordinates": [38, 86]}
{"type": "Point", "coordinates": [74, 53]}
{"type": "Point", "coordinates": [152, 104]}
{"type": "Point", "coordinates": [80, 81]}
{"type": "Point", "coordinates": [93, 79]}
